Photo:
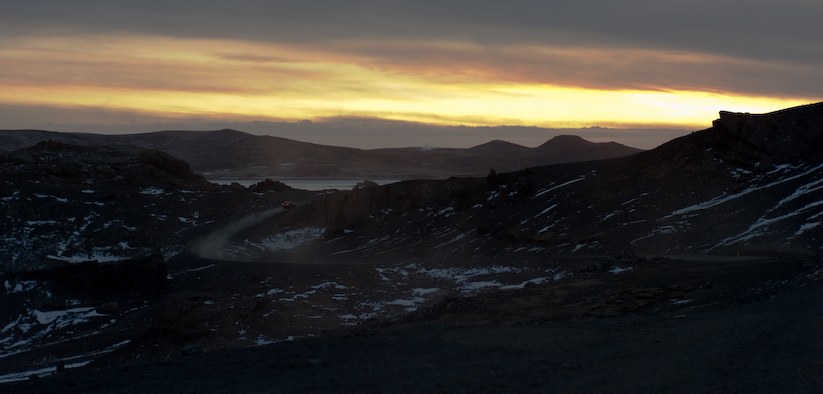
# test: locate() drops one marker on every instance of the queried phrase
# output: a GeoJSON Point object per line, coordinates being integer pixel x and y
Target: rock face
{"type": "Point", "coordinates": [750, 184]}
{"type": "Point", "coordinates": [777, 138]}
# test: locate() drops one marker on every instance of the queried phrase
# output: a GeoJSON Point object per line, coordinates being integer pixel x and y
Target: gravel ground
{"type": "Point", "coordinates": [773, 345]}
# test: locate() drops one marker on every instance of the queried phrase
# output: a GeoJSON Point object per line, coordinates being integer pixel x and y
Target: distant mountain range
{"type": "Point", "coordinates": [231, 154]}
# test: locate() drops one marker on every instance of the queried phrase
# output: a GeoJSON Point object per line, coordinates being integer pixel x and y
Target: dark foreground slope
{"type": "Point", "coordinates": [764, 347]}
{"type": "Point", "coordinates": [85, 238]}
{"type": "Point", "coordinates": [234, 154]}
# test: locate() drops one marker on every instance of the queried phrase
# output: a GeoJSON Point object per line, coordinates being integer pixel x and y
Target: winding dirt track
{"type": "Point", "coordinates": [769, 346]}
{"type": "Point", "coordinates": [211, 246]}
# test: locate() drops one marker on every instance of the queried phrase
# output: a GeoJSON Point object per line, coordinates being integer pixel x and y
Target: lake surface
{"type": "Point", "coordinates": [307, 184]}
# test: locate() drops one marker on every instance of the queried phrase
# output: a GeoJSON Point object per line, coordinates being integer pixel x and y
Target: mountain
{"type": "Point", "coordinates": [500, 147]}
{"type": "Point", "coordinates": [231, 154]}
{"type": "Point", "coordinates": [578, 149]}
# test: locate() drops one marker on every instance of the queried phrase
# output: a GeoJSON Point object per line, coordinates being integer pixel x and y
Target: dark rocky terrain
{"type": "Point", "coordinates": [694, 267]}
{"type": "Point", "coordinates": [230, 154]}
{"type": "Point", "coordinates": [75, 203]}
{"type": "Point", "coordinates": [86, 235]}
{"type": "Point", "coordinates": [751, 184]}
{"type": "Point", "coordinates": [754, 347]}
{"type": "Point", "coordinates": [739, 326]}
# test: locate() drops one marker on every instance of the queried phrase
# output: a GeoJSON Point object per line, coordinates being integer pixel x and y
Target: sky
{"type": "Point", "coordinates": [374, 74]}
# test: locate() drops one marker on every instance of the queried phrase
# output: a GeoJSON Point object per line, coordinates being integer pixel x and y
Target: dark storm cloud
{"type": "Point", "coordinates": [786, 30]}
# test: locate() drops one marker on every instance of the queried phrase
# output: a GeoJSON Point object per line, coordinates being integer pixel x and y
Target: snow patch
{"type": "Point", "coordinates": [808, 226]}
{"type": "Point", "coordinates": [292, 239]}
{"type": "Point", "coordinates": [100, 256]}
{"type": "Point", "coordinates": [447, 211]}
{"type": "Point", "coordinates": [47, 196]}
{"type": "Point", "coordinates": [19, 287]}
{"type": "Point", "coordinates": [805, 189]}
{"type": "Point", "coordinates": [152, 191]}
{"type": "Point", "coordinates": [617, 270]}
{"type": "Point", "coordinates": [66, 317]}
{"type": "Point", "coordinates": [547, 209]}
{"type": "Point", "coordinates": [41, 222]}
{"type": "Point", "coordinates": [523, 284]}
{"type": "Point", "coordinates": [19, 376]}
{"type": "Point", "coordinates": [11, 197]}
{"type": "Point", "coordinates": [759, 227]}
{"type": "Point", "coordinates": [542, 192]}
{"type": "Point", "coordinates": [726, 198]}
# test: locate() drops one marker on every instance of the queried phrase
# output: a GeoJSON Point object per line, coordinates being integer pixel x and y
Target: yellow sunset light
{"type": "Point", "coordinates": [241, 80]}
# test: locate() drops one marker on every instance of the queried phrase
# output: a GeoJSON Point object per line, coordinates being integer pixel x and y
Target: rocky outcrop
{"type": "Point", "coordinates": [118, 163]}
{"type": "Point", "coordinates": [775, 138]}
{"type": "Point", "coordinates": [270, 185]}
{"type": "Point", "coordinates": [363, 205]}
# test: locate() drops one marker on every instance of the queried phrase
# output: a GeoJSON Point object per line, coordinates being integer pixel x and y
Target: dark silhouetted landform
{"type": "Point", "coordinates": [750, 183]}
{"type": "Point", "coordinates": [227, 154]}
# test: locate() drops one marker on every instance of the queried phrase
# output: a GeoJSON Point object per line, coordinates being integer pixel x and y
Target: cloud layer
{"type": "Point", "coordinates": [549, 63]}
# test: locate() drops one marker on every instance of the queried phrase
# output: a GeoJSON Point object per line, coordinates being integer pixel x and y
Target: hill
{"type": "Point", "coordinates": [231, 154]}
{"type": "Point", "coordinates": [748, 184]}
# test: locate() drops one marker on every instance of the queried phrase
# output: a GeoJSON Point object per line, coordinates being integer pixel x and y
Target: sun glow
{"type": "Point", "coordinates": [175, 78]}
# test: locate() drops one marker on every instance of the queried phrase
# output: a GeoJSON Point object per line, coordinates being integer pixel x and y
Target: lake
{"type": "Point", "coordinates": [307, 184]}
